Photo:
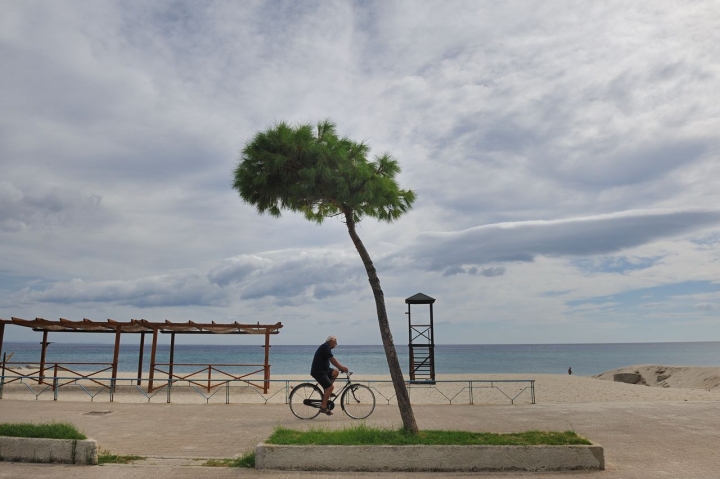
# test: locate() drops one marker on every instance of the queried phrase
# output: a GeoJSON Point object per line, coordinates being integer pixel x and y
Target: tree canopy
{"type": "Point", "coordinates": [311, 170]}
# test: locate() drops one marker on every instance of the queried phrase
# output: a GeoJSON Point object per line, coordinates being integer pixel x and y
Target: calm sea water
{"type": "Point", "coordinates": [585, 359]}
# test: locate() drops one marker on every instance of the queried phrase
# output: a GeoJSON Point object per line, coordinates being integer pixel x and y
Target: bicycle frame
{"type": "Point", "coordinates": [348, 383]}
{"type": "Point", "coordinates": [331, 403]}
{"type": "Point", "coordinates": [309, 395]}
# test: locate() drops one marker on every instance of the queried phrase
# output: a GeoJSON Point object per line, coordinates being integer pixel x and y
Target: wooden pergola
{"type": "Point", "coordinates": [142, 327]}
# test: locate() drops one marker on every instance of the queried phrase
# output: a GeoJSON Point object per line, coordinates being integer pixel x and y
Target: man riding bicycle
{"type": "Point", "coordinates": [323, 373]}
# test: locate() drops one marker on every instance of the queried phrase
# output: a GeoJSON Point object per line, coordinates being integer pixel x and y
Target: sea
{"type": "Point", "coordinates": [584, 359]}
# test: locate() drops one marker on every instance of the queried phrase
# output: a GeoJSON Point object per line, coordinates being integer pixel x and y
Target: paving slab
{"type": "Point", "coordinates": [641, 440]}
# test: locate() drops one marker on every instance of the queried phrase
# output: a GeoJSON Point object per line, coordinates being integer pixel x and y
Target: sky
{"type": "Point", "coordinates": [564, 156]}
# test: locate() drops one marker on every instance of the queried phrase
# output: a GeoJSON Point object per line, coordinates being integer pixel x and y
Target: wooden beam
{"type": "Point", "coordinates": [109, 326]}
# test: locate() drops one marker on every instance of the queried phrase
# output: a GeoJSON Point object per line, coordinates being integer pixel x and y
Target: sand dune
{"type": "Point", "coordinates": [693, 377]}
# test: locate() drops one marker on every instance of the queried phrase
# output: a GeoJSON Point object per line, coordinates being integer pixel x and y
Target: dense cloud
{"type": "Point", "coordinates": [562, 155]}
{"type": "Point", "coordinates": [300, 278]}
{"type": "Point", "coordinates": [165, 290]}
{"type": "Point", "coordinates": [20, 210]}
{"type": "Point", "coordinates": [323, 274]}
{"type": "Point", "coordinates": [523, 241]}
{"type": "Point", "coordinates": [318, 275]}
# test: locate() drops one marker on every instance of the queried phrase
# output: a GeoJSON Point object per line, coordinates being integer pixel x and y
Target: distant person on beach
{"type": "Point", "coordinates": [323, 373]}
{"type": "Point", "coordinates": [569, 370]}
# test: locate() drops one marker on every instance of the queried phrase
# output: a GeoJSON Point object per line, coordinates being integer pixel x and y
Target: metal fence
{"type": "Point", "coordinates": [248, 390]}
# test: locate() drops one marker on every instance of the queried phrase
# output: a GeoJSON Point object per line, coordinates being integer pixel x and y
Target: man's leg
{"type": "Point", "coordinates": [326, 396]}
{"type": "Point", "coordinates": [328, 390]}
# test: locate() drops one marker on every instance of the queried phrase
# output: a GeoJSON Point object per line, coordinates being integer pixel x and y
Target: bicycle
{"type": "Point", "coordinates": [356, 400]}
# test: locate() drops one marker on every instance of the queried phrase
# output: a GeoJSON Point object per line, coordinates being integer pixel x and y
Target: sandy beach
{"type": "Point", "coordinates": [675, 384]}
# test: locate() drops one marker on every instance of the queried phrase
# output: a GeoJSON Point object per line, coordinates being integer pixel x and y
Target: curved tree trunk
{"type": "Point", "coordinates": [401, 392]}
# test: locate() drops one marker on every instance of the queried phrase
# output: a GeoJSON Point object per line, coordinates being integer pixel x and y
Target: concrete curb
{"type": "Point", "coordinates": [32, 449]}
{"type": "Point", "coordinates": [429, 458]}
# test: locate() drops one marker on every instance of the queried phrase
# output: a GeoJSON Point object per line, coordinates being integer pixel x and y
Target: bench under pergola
{"type": "Point", "coordinates": [143, 327]}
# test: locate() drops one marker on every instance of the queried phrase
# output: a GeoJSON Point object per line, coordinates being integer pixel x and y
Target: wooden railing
{"type": "Point", "coordinates": [203, 377]}
{"type": "Point", "coordinates": [38, 373]}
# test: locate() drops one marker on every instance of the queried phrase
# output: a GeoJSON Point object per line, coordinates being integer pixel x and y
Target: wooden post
{"type": "Point", "coordinates": [2, 377]}
{"type": "Point", "coordinates": [140, 360]}
{"type": "Point", "coordinates": [2, 334]}
{"type": "Point", "coordinates": [42, 358]}
{"type": "Point", "coordinates": [55, 383]}
{"type": "Point", "coordinates": [152, 359]}
{"type": "Point", "coordinates": [172, 353]}
{"type": "Point", "coordinates": [267, 360]}
{"type": "Point", "coordinates": [209, 368]}
{"type": "Point", "coordinates": [432, 345]}
{"type": "Point", "coordinates": [116, 355]}
{"type": "Point", "coordinates": [411, 351]}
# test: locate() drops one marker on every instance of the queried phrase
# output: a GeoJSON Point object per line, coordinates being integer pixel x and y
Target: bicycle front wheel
{"type": "Point", "coordinates": [305, 400]}
{"type": "Point", "coordinates": [358, 401]}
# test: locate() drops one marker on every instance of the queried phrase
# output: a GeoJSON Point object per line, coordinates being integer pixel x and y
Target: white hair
{"type": "Point", "coordinates": [331, 338]}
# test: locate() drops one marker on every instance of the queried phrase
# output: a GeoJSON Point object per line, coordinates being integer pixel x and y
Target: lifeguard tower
{"type": "Point", "coordinates": [422, 343]}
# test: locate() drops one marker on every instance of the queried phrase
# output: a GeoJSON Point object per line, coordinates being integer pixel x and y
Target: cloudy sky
{"type": "Point", "coordinates": [564, 156]}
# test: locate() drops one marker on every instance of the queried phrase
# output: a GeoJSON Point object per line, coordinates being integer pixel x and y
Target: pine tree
{"type": "Point", "coordinates": [311, 170]}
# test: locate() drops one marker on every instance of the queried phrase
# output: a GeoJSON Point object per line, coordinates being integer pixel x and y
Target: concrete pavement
{"type": "Point", "coordinates": [641, 440]}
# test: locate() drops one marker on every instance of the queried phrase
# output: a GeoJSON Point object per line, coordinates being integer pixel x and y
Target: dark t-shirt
{"type": "Point", "coordinates": [321, 361]}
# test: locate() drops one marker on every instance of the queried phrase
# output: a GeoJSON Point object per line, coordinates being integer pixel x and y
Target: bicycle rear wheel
{"type": "Point", "coordinates": [305, 401]}
{"type": "Point", "coordinates": [358, 401]}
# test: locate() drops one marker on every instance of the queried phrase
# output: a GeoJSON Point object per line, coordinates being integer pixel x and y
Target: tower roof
{"type": "Point", "coordinates": [419, 299]}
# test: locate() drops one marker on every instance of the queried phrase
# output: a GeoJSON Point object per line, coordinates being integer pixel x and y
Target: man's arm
{"type": "Point", "coordinates": [338, 365]}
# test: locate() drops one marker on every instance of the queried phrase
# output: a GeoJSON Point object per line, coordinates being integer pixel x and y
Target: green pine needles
{"type": "Point", "coordinates": [311, 170]}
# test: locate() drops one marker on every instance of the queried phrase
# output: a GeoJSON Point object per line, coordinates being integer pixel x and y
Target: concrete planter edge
{"type": "Point", "coordinates": [32, 449]}
{"type": "Point", "coordinates": [430, 458]}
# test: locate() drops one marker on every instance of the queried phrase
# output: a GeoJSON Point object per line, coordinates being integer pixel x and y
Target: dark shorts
{"type": "Point", "coordinates": [324, 378]}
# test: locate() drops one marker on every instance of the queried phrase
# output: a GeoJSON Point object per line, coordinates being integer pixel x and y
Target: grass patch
{"type": "Point", "coordinates": [363, 435]}
{"type": "Point", "coordinates": [104, 457]}
{"type": "Point", "coordinates": [54, 430]}
{"type": "Point", "coordinates": [247, 460]}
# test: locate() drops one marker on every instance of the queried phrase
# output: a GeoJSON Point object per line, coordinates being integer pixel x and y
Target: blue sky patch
{"type": "Point", "coordinates": [642, 296]}
{"type": "Point", "coordinates": [615, 264]}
